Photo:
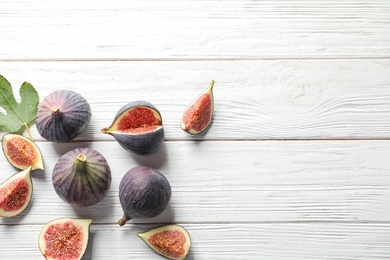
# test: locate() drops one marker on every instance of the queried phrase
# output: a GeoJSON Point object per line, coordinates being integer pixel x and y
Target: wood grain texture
{"type": "Point", "coordinates": [194, 29]}
{"type": "Point", "coordinates": [300, 99]}
{"type": "Point", "coordinates": [295, 164]}
{"type": "Point", "coordinates": [245, 182]}
{"type": "Point", "coordinates": [223, 241]}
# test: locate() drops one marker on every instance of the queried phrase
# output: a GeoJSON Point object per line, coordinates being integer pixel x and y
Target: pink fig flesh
{"type": "Point", "coordinates": [171, 241]}
{"type": "Point", "coordinates": [64, 238]}
{"type": "Point", "coordinates": [198, 115]}
{"type": "Point", "coordinates": [15, 194]}
{"type": "Point", "coordinates": [21, 152]}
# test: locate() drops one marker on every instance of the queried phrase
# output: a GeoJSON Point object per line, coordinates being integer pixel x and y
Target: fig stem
{"type": "Point", "coordinates": [81, 157]}
{"type": "Point", "coordinates": [123, 220]}
{"type": "Point", "coordinates": [55, 110]}
{"type": "Point", "coordinates": [212, 85]}
{"type": "Point", "coordinates": [81, 164]}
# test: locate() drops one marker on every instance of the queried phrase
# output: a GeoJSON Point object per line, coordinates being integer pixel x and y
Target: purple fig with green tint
{"type": "Point", "coordinates": [143, 193]}
{"type": "Point", "coordinates": [62, 116]}
{"type": "Point", "coordinates": [82, 177]}
{"type": "Point", "coordinates": [137, 127]}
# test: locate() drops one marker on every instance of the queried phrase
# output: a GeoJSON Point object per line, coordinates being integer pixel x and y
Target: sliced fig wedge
{"type": "Point", "coordinates": [198, 114]}
{"type": "Point", "coordinates": [171, 241]}
{"type": "Point", "coordinates": [15, 194]}
{"type": "Point", "coordinates": [64, 238]}
{"type": "Point", "coordinates": [21, 152]}
{"type": "Point", "coordinates": [137, 127]}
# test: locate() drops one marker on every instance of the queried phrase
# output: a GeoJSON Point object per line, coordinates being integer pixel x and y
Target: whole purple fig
{"type": "Point", "coordinates": [143, 193]}
{"type": "Point", "coordinates": [62, 116]}
{"type": "Point", "coordinates": [82, 177]}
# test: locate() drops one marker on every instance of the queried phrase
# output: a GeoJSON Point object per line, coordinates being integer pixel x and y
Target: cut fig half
{"type": "Point", "coordinates": [171, 241]}
{"type": "Point", "coordinates": [15, 194]}
{"type": "Point", "coordinates": [64, 238]}
{"type": "Point", "coordinates": [197, 116]}
{"type": "Point", "coordinates": [21, 152]}
{"type": "Point", "coordinates": [137, 127]}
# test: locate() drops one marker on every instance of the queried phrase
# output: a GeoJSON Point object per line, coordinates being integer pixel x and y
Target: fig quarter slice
{"type": "Point", "coordinates": [21, 152]}
{"type": "Point", "coordinates": [171, 241]}
{"type": "Point", "coordinates": [198, 114]}
{"type": "Point", "coordinates": [64, 238]}
{"type": "Point", "coordinates": [15, 194]}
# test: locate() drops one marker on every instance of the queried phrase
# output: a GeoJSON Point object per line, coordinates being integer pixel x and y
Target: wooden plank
{"type": "Point", "coordinates": [194, 29]}
{"type": "Point", "coordinates": [223, 241]}
{"type": "Point", "coordinates": [243, 182]}
{"type": "Point", "coordinates": [300, 99]}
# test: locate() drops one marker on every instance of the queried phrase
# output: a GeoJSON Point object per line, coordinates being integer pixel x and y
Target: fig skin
{"type": "Point", "coordinates": [197, 116]}
{"type": "Point", "coordinates": [143, 193]}
{"type": "Point", "coordinates": [141, 143]}
{"type": "Point", "coordinates": [82, 177]}
{"type": "Point", "coordinates": [172, 241]}
{"type": "Point", "coordinates": [62, 116]}
{"type": "Point", "coordinates": [21, 152]}
{"type": "Point", "coordinates": [72, 234]}
{"type": "Point", "coordinates": [18, 186]}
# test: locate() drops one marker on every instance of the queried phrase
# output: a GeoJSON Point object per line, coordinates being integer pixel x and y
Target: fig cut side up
{"type": "Point", "coordinates": [137, 127]}
{"type": "Point", "coordinates": [171, 241]}
{"type": "Point", "coordinates": [15, 194]}
{"type": "Point", "coordinates": [21, 152]}
{"type": "Point", "coordinates": [64, 238]}
{"type": "Point", "coordinates": [197, 116]}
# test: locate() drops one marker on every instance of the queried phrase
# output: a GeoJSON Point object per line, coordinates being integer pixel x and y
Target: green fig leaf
{"type": "Point", "coordinates": [18, 115]}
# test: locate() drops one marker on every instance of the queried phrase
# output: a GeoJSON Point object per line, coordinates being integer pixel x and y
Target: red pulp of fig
{"type": "Point", "coordinates": [139, 120]}
{"type": "Point", "coordinates": [67, 244]}
{"type": "Point", "coordinates": [21, 152]}
{"type": "Point", "coordinates": [198, 114]}
{"type": "Point", "coordinates": [169, 242]}
{"type": "Point", "coordinates": [14, 195]}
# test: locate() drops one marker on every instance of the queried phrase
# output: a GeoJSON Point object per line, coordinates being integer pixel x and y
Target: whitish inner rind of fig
{"type": "Point", "coordinates": [198, 115]}
{"type": "Point", "coordinates": [14, 195]}
{"type": "Point", "coordinates": [64, 241]}
{"type": "Point", "coordinates": [21, 152]}
{"type": "Point", "coordinates": [139, 119]}
{"type": "Point", "coordinates": [169, 242]}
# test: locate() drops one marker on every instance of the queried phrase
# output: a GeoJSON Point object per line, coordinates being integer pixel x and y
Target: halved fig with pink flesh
{"type": "Point", "coordinates": [171, 241]}
{"type": "Point", "coordinates": [21, 152]}
{"type": "Point", "coordinates": [15, 194]}
{"type": "Point", "coordinates": [198, 114]}
{"type": "Point", "coordinates": [137, 127]}
{"type": "Point", "coordinates": [64, 238]}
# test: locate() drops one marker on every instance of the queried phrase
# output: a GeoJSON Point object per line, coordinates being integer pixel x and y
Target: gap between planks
{"type": "Point", "coordinates": [197, 59]}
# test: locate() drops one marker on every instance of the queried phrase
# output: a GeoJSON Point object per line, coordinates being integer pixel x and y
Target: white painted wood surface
{"type": "Point", "coordinates": [295, 164]}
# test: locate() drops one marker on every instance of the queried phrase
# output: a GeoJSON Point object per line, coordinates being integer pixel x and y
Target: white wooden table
{"type": "Point", "coordinates": [296, 163]}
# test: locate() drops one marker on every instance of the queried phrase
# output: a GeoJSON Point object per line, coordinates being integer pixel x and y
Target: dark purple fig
{"type": "Point", "coordinates": [137, 127]}
{"type": "Point", "coordinates": [15, 194]}
{"type": "Point", "coordinates": [171, 241]}
{"type": "Point", "coordinates": [62, 116]}
{"type": "Point", "coordinates": [199, 113]}
{"type": "Point", "coordinates": [64, 238]}
{"type": "Point", "coordinates": [82, 177]}
{"type": "Point", "coordinates": [143, 193]}
{"type": "Point", "coordinates": [21, 152]}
